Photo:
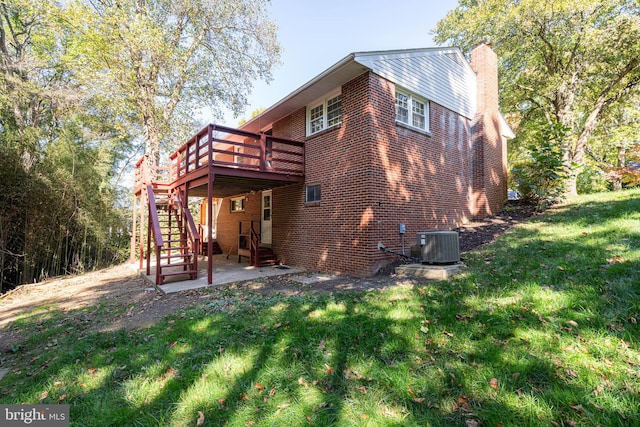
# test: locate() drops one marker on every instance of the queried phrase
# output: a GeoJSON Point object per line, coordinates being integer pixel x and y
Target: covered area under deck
{"type": "Point", "coordinates": [217, 162]}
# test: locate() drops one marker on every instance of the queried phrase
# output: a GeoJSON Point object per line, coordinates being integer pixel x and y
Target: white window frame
{"type": "Point", "coordinates": [412, 100]}
{"type": "Point", "coordinates": [237, 204]}
{"type": "Point", "coordinates": [323, 115]}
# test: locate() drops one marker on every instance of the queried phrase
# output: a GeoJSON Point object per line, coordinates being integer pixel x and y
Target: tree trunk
{"type": "Point", "coordinates": [622, 161]}
{"type": "Point", "coordinates": [152, 140]}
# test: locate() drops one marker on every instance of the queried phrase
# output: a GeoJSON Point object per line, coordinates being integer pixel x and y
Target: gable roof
{"type": "Point", "coordinates": [441, 75]}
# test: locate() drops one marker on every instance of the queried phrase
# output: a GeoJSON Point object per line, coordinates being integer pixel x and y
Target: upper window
{"type": "Point", "coordinates": [324, 114]}
{"type": "Point", "coordinates": [412, 110]}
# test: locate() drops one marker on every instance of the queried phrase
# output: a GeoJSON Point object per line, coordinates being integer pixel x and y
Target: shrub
{"type": "Point", "coordinates": [541, 178]}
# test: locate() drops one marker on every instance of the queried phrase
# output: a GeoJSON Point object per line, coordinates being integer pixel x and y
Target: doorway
{"type": "Point", "coordinates": [265, 218]}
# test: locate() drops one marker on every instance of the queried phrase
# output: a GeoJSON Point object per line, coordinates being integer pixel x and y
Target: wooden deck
{"type": "Point", "coordinates": [236, 160]}
{"type": "Point", "coordinates": [217, 162]}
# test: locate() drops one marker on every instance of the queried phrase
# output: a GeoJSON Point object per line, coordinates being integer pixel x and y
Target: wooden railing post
{"type": "Point", "coordinates": [211, 175]}
{"type": "Point", "coordinates": [154, 225]}
{"type": "Point", "coordinates": [263, 151]}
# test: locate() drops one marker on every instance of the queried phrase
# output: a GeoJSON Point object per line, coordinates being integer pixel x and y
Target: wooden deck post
{"type": "Point", "coordinates": [210, 206]}
{"type": "Point", "coordinates": [134, 231]}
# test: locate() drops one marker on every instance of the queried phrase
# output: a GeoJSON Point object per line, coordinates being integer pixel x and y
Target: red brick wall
{"type": "Point", "coordinates": [227, 222]}
{"type": "Point", "coordinates": [371, 181]}
{"type": "Point", "coordinates": [490, 183]}
{"type": "Point", "coordinates": [332, 235]}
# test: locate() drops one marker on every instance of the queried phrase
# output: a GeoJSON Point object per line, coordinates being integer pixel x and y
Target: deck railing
{"type": "Point", "coordinates": [227, 147]}
{"type": "Point", "coordinates": [145, 174]}
{"type": "Point", "coordinates": [235, 148]}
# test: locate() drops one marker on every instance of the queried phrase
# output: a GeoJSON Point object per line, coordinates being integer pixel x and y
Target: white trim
{"type": "Point", "coordinates": [322, 102]}
{"type": "Point", "coordinates": [411, 98]}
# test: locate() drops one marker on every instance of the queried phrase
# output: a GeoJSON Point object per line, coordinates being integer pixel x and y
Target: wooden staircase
{"type": "Point", "coordinates": [175, 236]}
{"type": "Point", "coordinates": [249, 245]}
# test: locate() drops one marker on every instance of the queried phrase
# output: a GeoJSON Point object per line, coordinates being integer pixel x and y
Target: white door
{"type": "Point", "coordinates": [265, 222]}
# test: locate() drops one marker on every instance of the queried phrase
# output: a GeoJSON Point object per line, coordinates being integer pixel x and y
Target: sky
{"type": "Point", "coordinates": [315, 35]}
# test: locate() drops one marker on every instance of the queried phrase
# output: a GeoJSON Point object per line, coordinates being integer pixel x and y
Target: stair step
{"type": "Point", "coordinates": [177, 256]}
{"type": "Point", "coordinates": [178, 273]}
{"type": "Point", "coordinates": [176, 264]}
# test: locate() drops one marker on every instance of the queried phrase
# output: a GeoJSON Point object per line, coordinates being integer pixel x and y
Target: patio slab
{"type": "Point", "coordinates": [434, 272]}
{"type": "Point", "coordinates": [224, 271]}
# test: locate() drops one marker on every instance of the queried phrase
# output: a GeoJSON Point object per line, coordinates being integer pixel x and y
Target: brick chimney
{"type": "Point", "coordinates": [490, 149]}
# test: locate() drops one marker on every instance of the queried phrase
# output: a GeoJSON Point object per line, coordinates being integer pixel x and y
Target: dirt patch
{"type": "Point", "coordinates": [132, 303]}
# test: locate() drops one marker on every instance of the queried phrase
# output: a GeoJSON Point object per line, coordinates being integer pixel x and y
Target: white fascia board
{"type": "Point", "coordinates": [331, 79]}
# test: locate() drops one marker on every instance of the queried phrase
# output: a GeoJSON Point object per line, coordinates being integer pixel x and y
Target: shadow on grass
{"type": "Point", "coordinates": [541, 329]}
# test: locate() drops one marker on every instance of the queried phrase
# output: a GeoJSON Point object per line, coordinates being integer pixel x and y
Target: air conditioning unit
{"type": "Point", "coordinates": [439, 247]}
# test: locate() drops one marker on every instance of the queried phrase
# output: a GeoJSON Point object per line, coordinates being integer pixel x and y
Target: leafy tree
{"type": "Point", "coordinates": [164, 60]}
{"type": "Point", "coordinates": [562, 62]}
{"type": "Point", "coordinates": [58, 151]}
{"type": "Point", "coordinates": [612, 146]}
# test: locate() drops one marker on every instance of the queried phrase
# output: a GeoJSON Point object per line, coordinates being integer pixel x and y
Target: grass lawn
{"type": "Point", "coordinates": [540, 330]}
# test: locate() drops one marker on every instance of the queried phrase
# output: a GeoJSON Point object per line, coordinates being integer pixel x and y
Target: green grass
{"type": "Point", "coordinates": [540, 330]}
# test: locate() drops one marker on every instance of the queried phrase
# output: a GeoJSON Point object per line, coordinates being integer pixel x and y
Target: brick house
{"type": "Point", "coordinates": [409, 137]}
{"type": "Point", "coordinates": [379, 139]}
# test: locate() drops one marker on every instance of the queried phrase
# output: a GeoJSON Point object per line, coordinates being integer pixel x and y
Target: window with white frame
{"type": "Point", "coordinates": [412, 110]}
{"type": "Point", "coordinates": [324, 114]}
{"type": "Point", "coordinates": [237, 204]}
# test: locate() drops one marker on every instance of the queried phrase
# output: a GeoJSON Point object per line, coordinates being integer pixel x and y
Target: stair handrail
{"type": "Point", "coordinates": [192, 230]}
{"type": "Point", "coordinates": [255, 245]}
{"type": "Point", "coordinates": [155, 228]}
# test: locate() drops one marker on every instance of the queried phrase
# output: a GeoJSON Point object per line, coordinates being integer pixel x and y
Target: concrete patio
{"type": "Point", "coordinates": [224, 271]}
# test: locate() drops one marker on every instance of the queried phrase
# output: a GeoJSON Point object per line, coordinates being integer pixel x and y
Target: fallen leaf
{"type": "Point", "coordinates": [244, 396]}
{"type": "Point", "coordinates": [58, 383]}
{"type": "Point", "coordinates": [515, 375]}
{"type": "Point", "coordinates": [61, 398]}
{"type": "Point", "coordinates": [302, 382]}
{"type": "Point", "coordinates": [350, 374]}
{"type": "Point", "coordinates": [259, 386]}
{"type": "Point", "coordinates": [573, 323]}
{"type": "Point", "coordinates": [419, 399]}
{"type": "Point", "coordinates": [329, 371]}
{"type": "Point", "coordinates": [362, 389]}
{"type": "Point", "coordinates": [321, 345]}
{"type": "Point", "coordinates": [572, 373]}
{"type": "Point", "coordinates": [309, 420]}
{"type": "Point", "coordinates": [200, 419]}
{"type": "Point", "coordinates": [222, 401]}
{"type": "Point", "coordinates": [44, 395]}
{"type": "Point", "coordinates": [471, 423]}
{"type": "Point", "coordinates": [494, 383]}
{"type": "Point", "coordinates": [272, 392]}
{"type": "Point", "coordinates": [598, 390]}
{"type": "Point", "coordinates": [615, 259]}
